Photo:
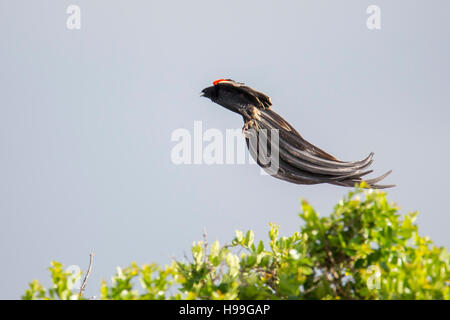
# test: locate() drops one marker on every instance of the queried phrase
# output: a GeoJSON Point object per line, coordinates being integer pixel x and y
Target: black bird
{"type": "Point", "coordinates": [299, 161]}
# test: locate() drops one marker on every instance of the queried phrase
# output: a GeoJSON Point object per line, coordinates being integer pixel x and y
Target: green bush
{"type": "Point", "coordinates": [363, 250]}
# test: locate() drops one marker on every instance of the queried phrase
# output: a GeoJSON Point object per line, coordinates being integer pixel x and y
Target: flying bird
{"type": "Point", "coordinates": [299, 161]}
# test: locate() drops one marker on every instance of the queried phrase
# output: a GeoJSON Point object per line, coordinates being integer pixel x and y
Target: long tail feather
{"type": "Point", "coordinates": [303, 163]}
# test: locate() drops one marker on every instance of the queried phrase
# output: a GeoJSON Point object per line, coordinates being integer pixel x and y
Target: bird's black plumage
{"type": "Point", "coordinates": [299, 161]}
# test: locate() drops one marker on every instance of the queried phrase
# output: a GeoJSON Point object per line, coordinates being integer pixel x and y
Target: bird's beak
{"type": "Point", "coordinates": [202, 94]}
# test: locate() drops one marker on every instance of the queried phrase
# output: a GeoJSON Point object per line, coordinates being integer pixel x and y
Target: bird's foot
{"type": "Point", "coordinates": [249, 127]}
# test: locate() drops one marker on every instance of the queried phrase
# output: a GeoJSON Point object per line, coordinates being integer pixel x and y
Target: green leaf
{"type": "Point", "coordinates": [249, 238]}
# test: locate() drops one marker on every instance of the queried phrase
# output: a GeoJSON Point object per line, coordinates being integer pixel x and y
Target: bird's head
{"type": "Point", "coordinates": [235, 96]}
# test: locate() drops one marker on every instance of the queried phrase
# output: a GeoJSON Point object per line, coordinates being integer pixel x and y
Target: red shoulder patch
{"type": "Point", "coordinates": [219, 81]}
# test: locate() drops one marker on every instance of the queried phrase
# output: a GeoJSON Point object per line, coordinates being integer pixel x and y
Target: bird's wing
{"type": "Point", "coordinates": [259, 99]}
{"type": "Point", "coordinates": [301, 161]}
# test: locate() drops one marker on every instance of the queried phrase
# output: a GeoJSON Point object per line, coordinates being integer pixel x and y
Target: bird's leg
{"type": "Point", "coordinates": [249, 125]}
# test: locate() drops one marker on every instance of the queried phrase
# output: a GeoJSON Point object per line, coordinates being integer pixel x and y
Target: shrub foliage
{"type": "Point", "coordinates": [364, 250]}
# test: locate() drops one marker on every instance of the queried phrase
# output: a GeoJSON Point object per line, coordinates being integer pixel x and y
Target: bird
{"type": "Point", "coordinates": [298, 161]}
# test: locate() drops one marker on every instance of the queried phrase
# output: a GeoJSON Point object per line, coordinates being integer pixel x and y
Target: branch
{"type": "Point", "coordinates": [83, 285]}
{"type": "Point", "coordinates": [205, 240]}
{"type": "Point", "coordinates": [205, 244]}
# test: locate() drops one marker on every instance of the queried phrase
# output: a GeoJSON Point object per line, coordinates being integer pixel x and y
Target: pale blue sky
{"type": "Point", "coordinates": [86, 118]}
